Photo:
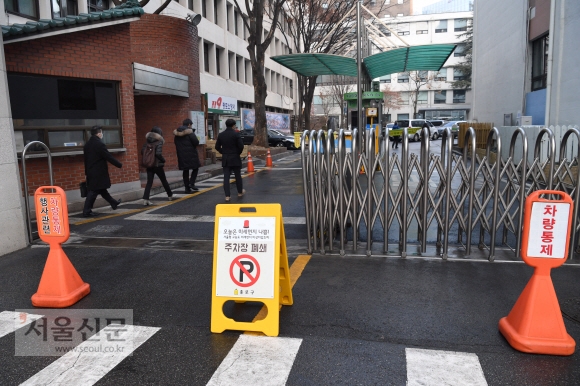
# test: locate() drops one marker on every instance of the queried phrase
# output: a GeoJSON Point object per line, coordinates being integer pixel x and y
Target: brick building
{"type": "Point", "coordinates": [65, 79]}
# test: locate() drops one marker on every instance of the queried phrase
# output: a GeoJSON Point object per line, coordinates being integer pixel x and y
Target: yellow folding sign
{"type": "Point", "coordinates": [250, 264]}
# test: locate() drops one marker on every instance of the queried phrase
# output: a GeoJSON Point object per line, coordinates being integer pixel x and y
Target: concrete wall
{"type": "Point", "coordinates": [499, 59]}
{"type": "Point", "coordinates": [13, 222]}
{"type": "Point", "coordinates": [565, 70]}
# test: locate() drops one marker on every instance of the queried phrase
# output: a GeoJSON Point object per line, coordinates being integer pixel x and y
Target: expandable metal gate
{"type": "Point", "coordinates": [479, 197]}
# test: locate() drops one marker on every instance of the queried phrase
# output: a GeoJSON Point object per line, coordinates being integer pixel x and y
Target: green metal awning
{"type": "Point", "coordinates": [416, 58]}
{"type": "Point", "coordinates": [318, 64]}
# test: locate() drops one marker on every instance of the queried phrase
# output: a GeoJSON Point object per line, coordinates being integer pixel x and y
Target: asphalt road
{"type": "Point", "coordinates": [355, 320]}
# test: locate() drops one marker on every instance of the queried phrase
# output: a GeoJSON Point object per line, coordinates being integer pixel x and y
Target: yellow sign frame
{"type": "Point", "coordinates": [270, 325]}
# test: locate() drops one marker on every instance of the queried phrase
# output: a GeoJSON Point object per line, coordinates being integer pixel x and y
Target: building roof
{"type": "Point", "coordinates": [414, 58]}
{"type": "Point", "coordinates": [47, 26]}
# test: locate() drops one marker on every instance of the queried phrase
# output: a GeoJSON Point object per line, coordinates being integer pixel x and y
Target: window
{"type": "Point", "coordinates": [423, 75]}
{"type": "Point", "coordinates": [239, 62]}
{"type": "Point", "coordinates": [402, 116]}
{"type": "Point", "coordinates": [458, 74]}
{"type": "Point", "coordinates": [399, 1]}
{"type": "Point", "coordinates": [26, 8]}
{"type": "Point", "coordinates": [76, 95]}
{"type": "Point", "coordinates": [98, 5]}
{"type": "Point", "coordinates": [231, 64]}
{"type": "Point", "coordinates": [62, 8]}
{"type": "Point", "coordinates": [440, 97]}
{"type": "Point", "coordinates": [190, 4]}
{"type": "Point", "coordinates": [403, 29]}
{"type": "Point", "coordinates": [459, 50]}
{"type": "Point", "coordinates": [218, 61]}
{"type": "Point", "coordinates": [441, 75]}
{"type": "Point", "coordinates": [61, 111]}
{"type": "Point", "coordinates": [441, 26]}
{"type": "Point", "coordinates": [316, 100]}
{"type": "Point", "coordinates": [215, 11]}
{"type": "Point", "coordinates": [203, 9]}
{"type": "Point", "coordinates": [228, 11]}
{"type": "Point", "coordinates": [422, 98]}
{"type": "Point", "coordinates": [539, 62]}
{"type": "Point", "coordinates": [460, 25]}
{"type": "Point", "coordinates": [422, 28]}
{"type": "Point", "coordinates": [236, 22]}
{"type": "Point", "coordinates": [403, 77]}
{"type": "Point", "coordinates": [458, 96]}
{"type": "Point", "coordinates": [385, 79]}
{"type": "Point", "coordinates": [404, 98]}
{"type": "Point", "coordinates": [206, 57]}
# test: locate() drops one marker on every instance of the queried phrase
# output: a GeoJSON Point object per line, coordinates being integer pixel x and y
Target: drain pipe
{"type": "Point", "coordinates": [550, 61]}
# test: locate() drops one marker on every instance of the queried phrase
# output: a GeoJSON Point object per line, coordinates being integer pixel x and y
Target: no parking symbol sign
{"type": "Point", "coordinates": [245, 257]}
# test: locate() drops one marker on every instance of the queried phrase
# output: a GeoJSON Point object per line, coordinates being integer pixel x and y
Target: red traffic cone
{"type": "Point", "coordinates": [60, 285]}
{"type": "Point", "coordinates": [268, 159]}
{"type": "Point", "coordinates": [250, 163]}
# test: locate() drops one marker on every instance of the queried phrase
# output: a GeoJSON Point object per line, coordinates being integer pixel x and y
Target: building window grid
{"type": "Point", "coordinates": [440, 97]}
{"type": "Point", "coordinates": [441, 26]}
{"type": "Point", "coordinates": [25, 8]}
{"type": "Point", "coordinates": [460, 25]}
{"type": "Point", "coordinates": [98, 5]}
{"type": "Point", "coordinates": [458, 96]}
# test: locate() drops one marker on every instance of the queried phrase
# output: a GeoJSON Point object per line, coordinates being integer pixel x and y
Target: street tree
{"type": "Point", "coordinates": [309, 23]}
{"type": "Point", "coordinates": [391, 99]}
{"type": "Point", "coordinates": [338, 86]}
{"type": "Point", "coordinates": [417, 79]}
{"type": "Point", "coordinates": [256, 15]}
{"type": "Point", "coordinates": [464, 67]}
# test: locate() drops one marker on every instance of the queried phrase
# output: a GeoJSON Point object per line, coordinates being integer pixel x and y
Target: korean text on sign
{"type": "Point", "coordinates": [548, 230]}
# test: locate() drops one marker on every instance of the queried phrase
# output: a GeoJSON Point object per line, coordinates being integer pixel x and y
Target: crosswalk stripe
{"type": "Point", "coordinates": [257, 360]}
{"type": "Point", "coordinates": [11, 321]}
{"type": "Point", "coordinates": [148, 216]}
{"type": "Point", "coordinates": [85, 364]}
{"type": "Point", "coordinates": [435, 367]}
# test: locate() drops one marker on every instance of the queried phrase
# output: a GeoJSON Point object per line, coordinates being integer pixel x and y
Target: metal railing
{"type": "Point", "coordinates": [361, 197]}
{"type": "Point", "coordinates": [25, 181]}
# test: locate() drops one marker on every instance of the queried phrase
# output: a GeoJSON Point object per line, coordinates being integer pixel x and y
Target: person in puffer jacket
{"type": "Point", "coordinates": [186, 143]}
{"type": "Point", "coordinates": [155, 136]}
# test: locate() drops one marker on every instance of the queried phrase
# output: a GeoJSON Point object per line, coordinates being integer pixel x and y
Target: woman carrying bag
{"type": "Point", "coordinates": [154, 164]}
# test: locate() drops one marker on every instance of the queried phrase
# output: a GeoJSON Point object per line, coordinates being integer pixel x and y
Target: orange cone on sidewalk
{"type": "Point", "coordinates": [250, 164]}
{"type": "Point", "coordinates": [269, 159]}
{"type": "Point", "coordinates": [60, 285]}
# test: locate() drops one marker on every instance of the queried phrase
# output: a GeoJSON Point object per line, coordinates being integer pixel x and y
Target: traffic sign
{"type": "Point", "coordinates": [250, 264]}
{"type": "Point", "coordinates": [535, 323]}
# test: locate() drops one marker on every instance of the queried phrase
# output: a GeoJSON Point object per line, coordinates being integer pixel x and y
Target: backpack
{"type": "Point", "coordinates": [149, 160]}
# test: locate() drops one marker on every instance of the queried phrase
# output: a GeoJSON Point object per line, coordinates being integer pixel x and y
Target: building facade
{"type": "Point", "coordinates": [534, 71]}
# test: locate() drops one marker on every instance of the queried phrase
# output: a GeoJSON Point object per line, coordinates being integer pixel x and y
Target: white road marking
{"type": "Point", "coordinates": [257, 360]}
{"type": "Point", "coordinates": [435, 367]}
{"type": "Point", "coordinates": [11, 321]}
{"type": "Point", "coordinates": [148, 216]}
{"type": "Point", "coordinates": [86, 364]}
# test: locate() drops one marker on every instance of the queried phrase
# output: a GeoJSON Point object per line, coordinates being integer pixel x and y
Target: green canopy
{"type": "Point", "coordinates": [416, 58]}
{"type": "Point", "coordinates": [318, 64]}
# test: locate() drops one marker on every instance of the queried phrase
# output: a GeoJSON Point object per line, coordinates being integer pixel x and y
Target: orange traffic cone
{"type": "Point", "coordinates": [535, 324]}
{"type": "Point", "coordinates": [268, 159]}
{"type": "Point", "coordinates": [250, 163]}
{"type": "Point", "coordinates": [60, 285]}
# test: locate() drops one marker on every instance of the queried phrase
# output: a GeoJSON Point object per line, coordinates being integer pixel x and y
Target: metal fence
{"type": "Point", "coordinates": [354, 196]}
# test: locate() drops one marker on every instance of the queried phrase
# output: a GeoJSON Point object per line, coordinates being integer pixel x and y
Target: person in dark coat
{"type": "Point", "coordinates": [396, 138]}
{"type": "Point", "coordinates": [229, 143]}
{"type": "Point", "coordinates": [186, 143]}
{"type": "Point", "coordinates": [155, 136]}
{"type": "Point", "coordinates": [96, 171]}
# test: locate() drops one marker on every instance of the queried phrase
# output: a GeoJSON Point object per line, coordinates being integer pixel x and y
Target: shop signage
{"type": "Point", "coordinates": [223, 105]}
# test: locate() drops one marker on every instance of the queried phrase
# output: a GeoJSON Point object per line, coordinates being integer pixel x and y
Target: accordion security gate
{"type": "Point", "coordinates": [354, 198]}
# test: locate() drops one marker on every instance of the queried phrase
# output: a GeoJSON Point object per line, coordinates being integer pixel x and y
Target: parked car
{"type": "Point", "coordinates": [437, 122]}
{"type": "Point", "coordinates": [275, 139]}
{"type": "Point", "coordinates": [415, 126]}
{"type": "Point", "coordinates": [453, 125]}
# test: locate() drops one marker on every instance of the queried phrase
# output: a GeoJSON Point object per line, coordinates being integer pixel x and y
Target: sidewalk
{"type": "Point", "coordinates": [175, 180]}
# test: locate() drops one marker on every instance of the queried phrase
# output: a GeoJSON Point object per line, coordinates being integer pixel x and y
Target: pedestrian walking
{"type": "Point", "coordinates": [229, 143]}
{"type": "Point", "coordinates": [186, 143]}
{"type": "Point", "coordinates": [96, 171]}
{"type": "Point", "coordinates": [154, 142]}
{"type": "Point", "coordinates": [396, 138]}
